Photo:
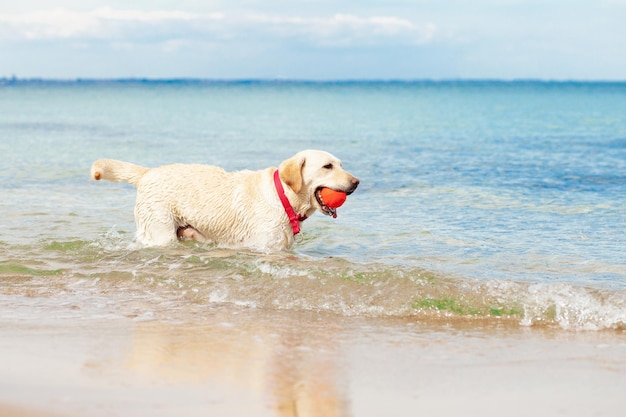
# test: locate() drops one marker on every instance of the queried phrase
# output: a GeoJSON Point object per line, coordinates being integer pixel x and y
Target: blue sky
{"type": "Point", "coordinates": [314, 39]}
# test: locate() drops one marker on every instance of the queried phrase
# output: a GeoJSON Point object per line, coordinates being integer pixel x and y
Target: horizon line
{"type": "Point", "coordinates": [252, 80]}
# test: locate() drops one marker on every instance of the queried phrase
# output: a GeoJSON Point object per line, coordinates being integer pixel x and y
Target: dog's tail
{"type": "Point", "coordinates": [118, 171]}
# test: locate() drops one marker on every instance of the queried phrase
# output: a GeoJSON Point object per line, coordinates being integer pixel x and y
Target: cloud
{"type": "Point", "coordinates": [101, 23]}
{"type": "Point", "coordinates": [344, 29]}
{"type": "Point", "coordinates": [177, 27]}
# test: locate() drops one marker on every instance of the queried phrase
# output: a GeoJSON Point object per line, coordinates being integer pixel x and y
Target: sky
{"type": "Point", "coordinates": [314, 39]}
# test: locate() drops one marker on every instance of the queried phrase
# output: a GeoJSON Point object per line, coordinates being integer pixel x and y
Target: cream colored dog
{"type": "Point", "coordinates": [240, 209]}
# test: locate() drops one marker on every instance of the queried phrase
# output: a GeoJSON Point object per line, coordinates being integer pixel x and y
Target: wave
{"type": "Point", "coordinates": [188, 277]}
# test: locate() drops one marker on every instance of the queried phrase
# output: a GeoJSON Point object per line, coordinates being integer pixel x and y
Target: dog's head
{"type": "Point", "coordinates": [307, 172]}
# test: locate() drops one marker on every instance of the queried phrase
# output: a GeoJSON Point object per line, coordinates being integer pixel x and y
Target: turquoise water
{"type": "Point", "coordinates": [511, 191]}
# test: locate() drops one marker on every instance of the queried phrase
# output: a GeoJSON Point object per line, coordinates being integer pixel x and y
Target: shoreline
{"type": "Point", "coordinates": [235, 361]}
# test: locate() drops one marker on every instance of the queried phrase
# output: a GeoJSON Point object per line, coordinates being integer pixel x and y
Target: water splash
{"type": "Point", "coordinates": [188, 278]}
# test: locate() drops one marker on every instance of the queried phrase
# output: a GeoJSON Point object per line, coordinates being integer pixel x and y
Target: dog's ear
{"type": "Point", "coordinates": [290, 171]}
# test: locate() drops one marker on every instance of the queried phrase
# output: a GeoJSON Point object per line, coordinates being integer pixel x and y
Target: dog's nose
{"type": "Point", "coordinates": [355, 183]}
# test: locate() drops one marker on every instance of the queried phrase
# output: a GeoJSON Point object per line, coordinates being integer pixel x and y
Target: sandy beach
{"type": "Point", "coordinates": [235, 362]}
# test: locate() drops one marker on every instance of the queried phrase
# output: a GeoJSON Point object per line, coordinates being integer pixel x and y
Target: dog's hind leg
{"type": "Point", "coordinates": [155, 225]}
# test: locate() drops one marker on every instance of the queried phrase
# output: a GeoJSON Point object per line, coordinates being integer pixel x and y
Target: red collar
{"type": "Point", "coordinates": [293, 217]}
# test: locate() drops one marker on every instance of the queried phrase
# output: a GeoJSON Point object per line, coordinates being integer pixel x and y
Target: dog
{"type": "Point", "coordinates": [258, 210]}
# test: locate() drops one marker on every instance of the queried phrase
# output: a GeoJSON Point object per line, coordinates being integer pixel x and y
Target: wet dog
{"type": "Point", "coordinates": [259, 210]}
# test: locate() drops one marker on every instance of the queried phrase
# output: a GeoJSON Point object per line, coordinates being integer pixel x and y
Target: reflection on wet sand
{"type": "Point", "coordinates": [292, 370]}
{"type": "Point", "coordinates": [226, 361]}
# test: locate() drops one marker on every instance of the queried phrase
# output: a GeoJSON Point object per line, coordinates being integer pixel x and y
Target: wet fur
{"type": "Point", "coordinates": [238, 209]}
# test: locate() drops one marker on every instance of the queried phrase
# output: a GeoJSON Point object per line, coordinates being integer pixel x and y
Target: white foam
{"type": "Point", "coordinates": [574, 308]}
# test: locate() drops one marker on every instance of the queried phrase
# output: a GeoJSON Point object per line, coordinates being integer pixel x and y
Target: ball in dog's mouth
{"type": "Point", "coordinates": [329, 200]}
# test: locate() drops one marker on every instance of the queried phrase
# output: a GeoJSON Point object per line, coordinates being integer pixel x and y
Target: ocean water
{"type": "Point", "coordinates": [479, 201]}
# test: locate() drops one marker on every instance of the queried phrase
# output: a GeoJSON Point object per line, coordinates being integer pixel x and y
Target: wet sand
{"type": "Point", "coordinates": [234, 361]}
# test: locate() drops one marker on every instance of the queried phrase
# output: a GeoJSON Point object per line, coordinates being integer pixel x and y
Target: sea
{"type": "Point", "coordinates": [480, 202]}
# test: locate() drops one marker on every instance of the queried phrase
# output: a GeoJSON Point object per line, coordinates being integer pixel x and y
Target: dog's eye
{"type": "Point", "coordinates": [328, 166]}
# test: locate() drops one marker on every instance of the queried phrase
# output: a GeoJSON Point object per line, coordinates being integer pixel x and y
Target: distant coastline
{"type": "Point", "coordinates": [14, 80]}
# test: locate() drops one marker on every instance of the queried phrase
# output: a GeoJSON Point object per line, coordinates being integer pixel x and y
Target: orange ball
{"type": "Point", "coordinates": [332, 198]}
